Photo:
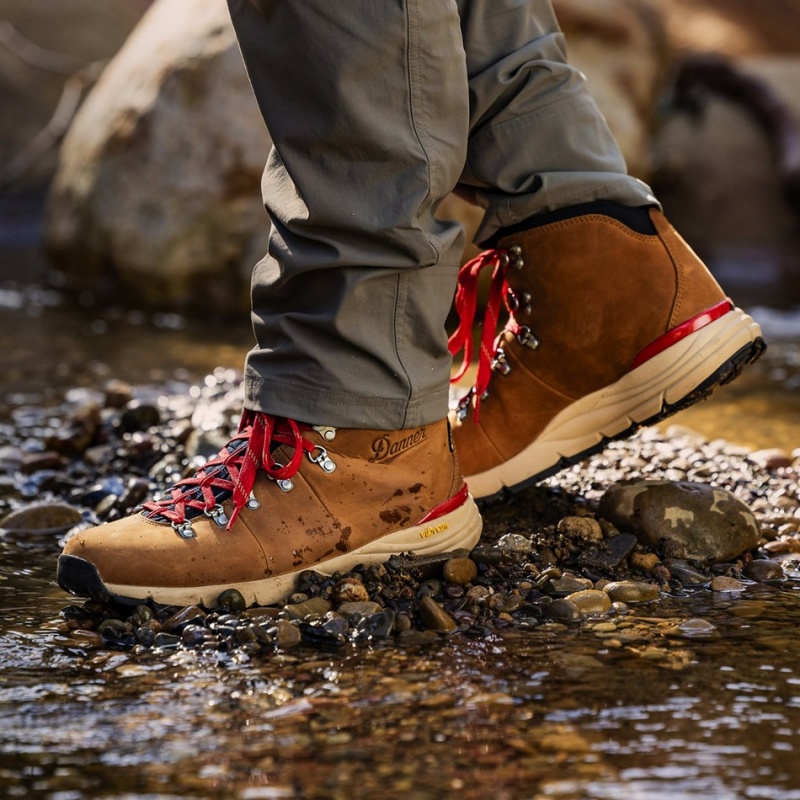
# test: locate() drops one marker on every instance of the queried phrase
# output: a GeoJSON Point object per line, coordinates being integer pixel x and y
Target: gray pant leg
{"type": "Point", "coordinates": [537, 140]}
{"type": "Point", "coordinates": [366, 103]}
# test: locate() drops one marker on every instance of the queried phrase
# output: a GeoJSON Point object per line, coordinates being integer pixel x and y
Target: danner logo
{"type": "Point", "coordinates": [386, 447]}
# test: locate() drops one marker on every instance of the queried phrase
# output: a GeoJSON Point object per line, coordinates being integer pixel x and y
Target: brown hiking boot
{"type": "Point", "coordinates": [609, 329]}
{"type": "Point", "coordinates": [280, 498]}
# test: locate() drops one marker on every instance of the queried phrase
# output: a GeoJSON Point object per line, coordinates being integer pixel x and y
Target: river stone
{"type": "Point", "coordinates": [609, 553]}
{"type": "Point", "coordinates": [363, 608]}
{"type": "Point", "coordinates": [287, 635]}
{"type": "Point", "coordinates": [460, 571]}
{"type": "Point", "coordinates": [631, 592]}
{"type": "Point", "coordinates": [584, 528]}
{"type": "Point", "coordinates": [693, 629]}
{"type": "Point", "coordinates": [591, 601]}
{"type": "Point", "coordinates": [434, 617]}
{"type": "Point", "coordinates": [711, 523]}
{"type": "Point", "coordinates": [764, 571]}
{"type": "Point", "coordinates": [515, 543]}
{"type": "Point", "coordinates": [687, 575]}
{"type": "Point", "coordinates": [314, 607]}
{"type": "Point", "coordinates": [42, 518]}
{"type": "Point", "coordinates": [724, 584]}
{"type": "Point", "coordinates": [563, 610]}
{"type": "Point", "coordinates": [350, 589]}
{"type": "Point", "coordinates": [569, 584]}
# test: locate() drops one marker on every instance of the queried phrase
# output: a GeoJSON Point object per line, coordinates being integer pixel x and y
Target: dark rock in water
{"type": "Point", "coordinates": [42, 518]}
{"type": "Point", "coordinates": [139, 416]}
{"type": "Point", "coordinates": [315, 607]}
{"type": "Point", "coordinates": [231, 600]}
{"type": "Point", "coordinates": [376, 626]}
{"type": "Point", "coordinates": [711, 523]}
{"type": "Point", "coordinates": [685, 574]}
{"type": "Point", "coordinates": [629, 592]}
{"type": "Point", "coordinates": [191, 615]}
{"type": "Point", "coordinates": [764, 571]}
{"type": "Point", "coordinates": [434, 617]}
{"type": "Point", "coordinates": [609, 553]}
{"type": "Point", "coordinates": [563, 611]}
{"type": "Point", "coordinates": [117, 393]}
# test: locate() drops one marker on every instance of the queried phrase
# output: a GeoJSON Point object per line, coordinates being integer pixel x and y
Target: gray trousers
{"type": "Point", "coordinates": [377, 109]}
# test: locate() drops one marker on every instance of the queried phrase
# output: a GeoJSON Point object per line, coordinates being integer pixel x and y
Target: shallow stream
{"type": "Point", "coordinates": [559, 711]}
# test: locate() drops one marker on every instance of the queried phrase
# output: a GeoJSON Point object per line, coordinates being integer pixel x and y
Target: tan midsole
{"type": "Point", "coordinates": [637, 396]}
{"type": "Point", "coordinates": [458, 529]}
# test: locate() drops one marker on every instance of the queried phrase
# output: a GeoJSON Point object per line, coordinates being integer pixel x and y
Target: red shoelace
{"type": "Point", "coordinates": [466, 304]}
{"type": "Point", "coordinates": [233, 471]}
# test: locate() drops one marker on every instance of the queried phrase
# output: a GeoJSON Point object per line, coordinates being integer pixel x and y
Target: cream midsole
{"type": "Point", "coordinates": [637, 396]}
{"type": "Point", "coordinates": [458, 529]}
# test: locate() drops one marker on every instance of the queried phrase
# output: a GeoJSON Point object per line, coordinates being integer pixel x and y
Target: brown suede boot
{"type": "Point", "coordinates": [609, 330]}
{"type": "Point", "coordinates": [279, 499]}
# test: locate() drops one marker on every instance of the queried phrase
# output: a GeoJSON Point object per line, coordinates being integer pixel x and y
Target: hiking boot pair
{"type": "Point", "coordinates": [612, 324]}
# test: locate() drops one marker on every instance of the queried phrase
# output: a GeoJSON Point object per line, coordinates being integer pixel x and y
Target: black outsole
{"type": "Point", "coordinates": [81, 578]}
{"type": "Point", "coordinates": [724, 374]}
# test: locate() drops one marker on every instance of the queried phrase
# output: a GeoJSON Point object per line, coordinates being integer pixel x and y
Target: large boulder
{"type": "Point", "coordinates": [43, 43]}
{"type": "Point", "coordinates": [157, 191]}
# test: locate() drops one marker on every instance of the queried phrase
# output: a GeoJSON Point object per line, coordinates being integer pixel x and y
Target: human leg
{"type": "Point", "coordinates": [344, 455]}
{"type": "Point", "coordinates": [614, 321]}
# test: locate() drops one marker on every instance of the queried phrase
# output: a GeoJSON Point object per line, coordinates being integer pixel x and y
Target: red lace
{"type": "Point", "coordinates": [235, 468]}
{"type": "Point", "coordinates": [465, 303]}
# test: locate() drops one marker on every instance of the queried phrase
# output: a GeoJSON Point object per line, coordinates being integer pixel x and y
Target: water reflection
{"type": "Point", "coordinates": [552, 712]}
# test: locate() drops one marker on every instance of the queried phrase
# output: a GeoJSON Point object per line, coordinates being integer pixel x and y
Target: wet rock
{"type": "Point", "coordinates": [724, 584]}
{"type": "Point", "coordinates": [515, 543]}
{"type": "Point", "coordinates": [711, 523]}
{"type": "Point", "coordinates": [591, 601]}
{"type": "Point", "coordinates": [764, 571]}
{"type": "Point", "coordinates": [563, 610]}
{"type": "Point", "coordinates": [569, 584]}
{"type": "Point", "coordinates": [35, 462]}
{"type": "Point", "coordinates": [610, 553]}
{"type": "Point", "coordinates": [42, 518]}
{"type": "Point", "coordinates": [434, 617]}
{"type": "Point", "coordinates": [191, 615]}
{"type": "Point", "coordinates": [644, 561]}
{"type": "Point", "coordinates": [139, 416]}
{"type": "Point", "coordinates": [376, 626]}
{"type": "Point", "coordinates": [231, 600]}
{"type": "Point", "coordinates": [117, 393]}
{"type": "Point", "coordinates": [460, 571]}
{"type": "Point", "coordinates": [313, 607]}
{"type": "Point", "coordinates": [489, 556]}
{"type": "Point", "coordinates": [629, 592]}
{"type": "Point", "coordinates": [286, 634]}
{"type": "Point", "coordinates": [350, 589]}
{"type": "Point", "coordinates": [427, 566]}
{"type": "Point", "coordinates": [584, 528]}
{"type": "Point", "coordinates": [362, 608]}
{"type": "Point", "coordinates": [686, 574]}
{"type": "Point", "coordinates": [414, 638]}
{"type": "Point", "coordinates": [166, 641]}
{"type": "Point", "coordinates": [693, 629]}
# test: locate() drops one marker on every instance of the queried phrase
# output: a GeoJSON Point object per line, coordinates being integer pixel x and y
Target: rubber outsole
{"type": "Point", "coordinates": [460, 528]}
{"type": "Point", "coordinates": [725, 372]}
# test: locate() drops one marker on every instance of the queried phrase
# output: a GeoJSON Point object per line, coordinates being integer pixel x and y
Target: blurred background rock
{"type": "Point", "coordinates": [155, 197]}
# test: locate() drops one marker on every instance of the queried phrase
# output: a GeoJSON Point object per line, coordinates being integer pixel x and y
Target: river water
{"type": "Point", "coordinates": [566, 712]}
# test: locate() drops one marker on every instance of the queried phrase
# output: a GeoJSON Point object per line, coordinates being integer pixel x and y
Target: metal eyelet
{"type": "Point", "coordinates": [184, 530]}
{"type": "Point", "coordinates": [500, 362]}
{"type": "Point", "coordinates": [516, 257]}
{"type": "Point", "coordinates": [217, 513]}
{"type": "Point", "coordinates": [326, 432]}
{"type": "Point", "coordinates": [252, 503]}
{"type": "Point", "coordinates": [284, 484]}
{"type": "Point", "coordinates": [322, 459]}
{"type": "Point", "coordinates": [525, 336]}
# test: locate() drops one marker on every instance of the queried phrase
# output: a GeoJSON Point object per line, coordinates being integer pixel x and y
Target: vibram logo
{"type": "Point", "coordinates": [385, 448]}
{"type": "Point", "coordinates": [432, 530]}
